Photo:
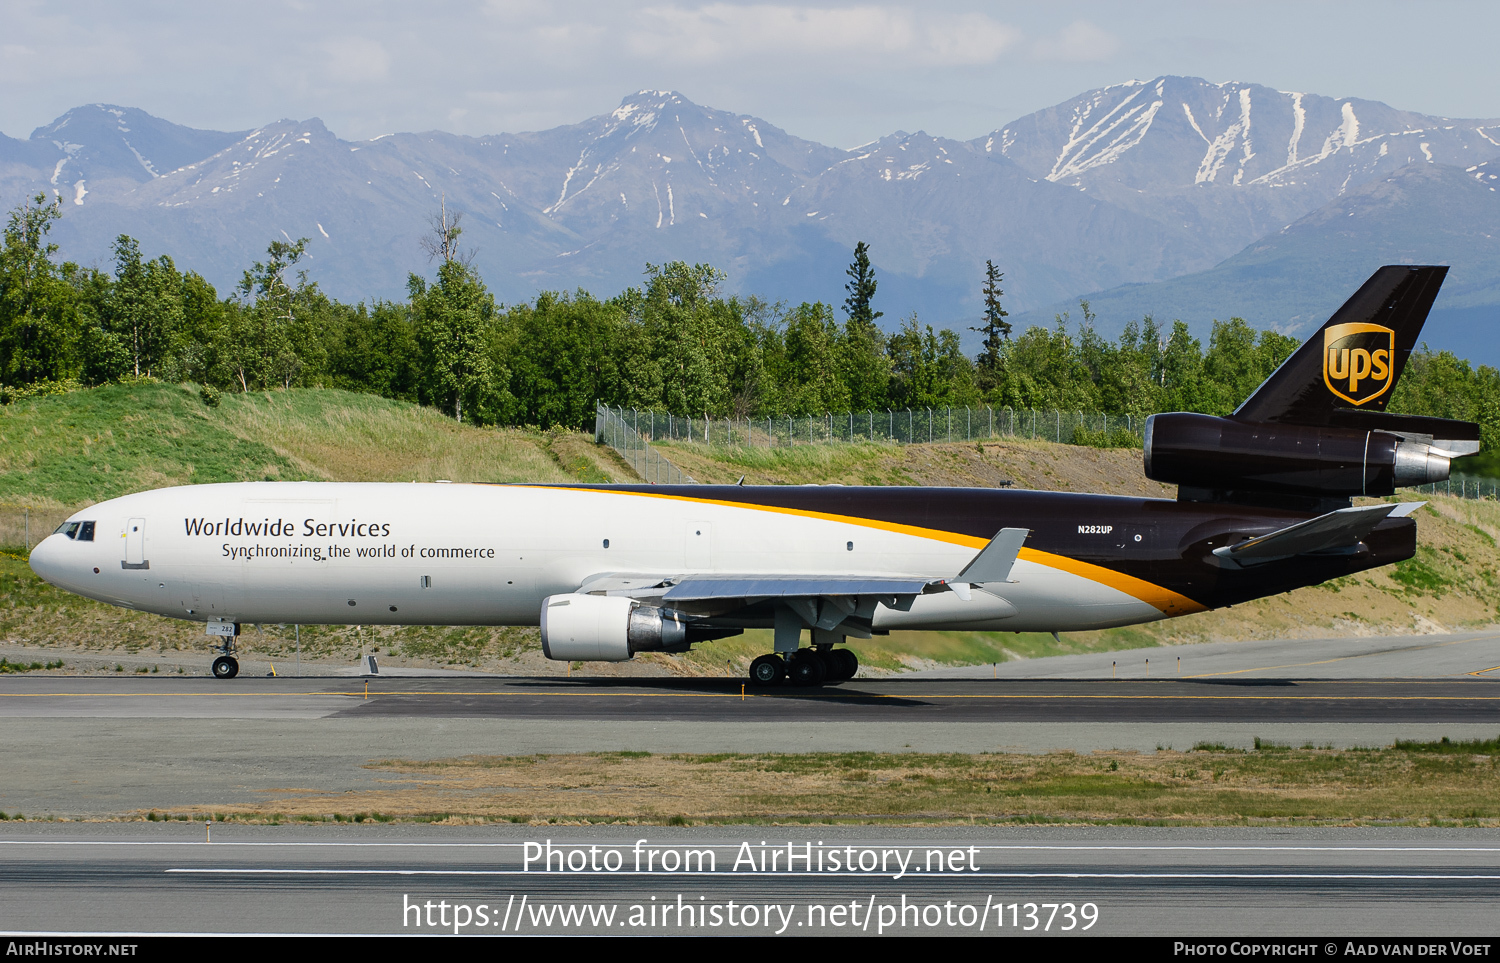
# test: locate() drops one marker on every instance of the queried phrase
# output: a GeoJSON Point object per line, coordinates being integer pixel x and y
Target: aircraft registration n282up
{"type": "Point", "coordinates": [1263, 507]}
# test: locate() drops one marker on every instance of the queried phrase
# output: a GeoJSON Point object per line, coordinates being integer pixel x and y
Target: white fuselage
{"type": "Point", "coordinates": [462, 554]}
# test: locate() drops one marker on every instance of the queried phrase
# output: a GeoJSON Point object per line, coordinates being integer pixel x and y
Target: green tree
{"type": "Point", "coordinates": [453, 318]}
{"type": "Point", "coordinates": [813, 342]}
{"type": "Point", "coordinates": [204, 350]}
{"type": "Point", "coordinates": [563, 357]}
{"type": "Point", "coordinates": [1128, 385]}
{"type": "Point", "coordinates": [266, 331]}
{"type": "Point", "coordinates": [144, 309]}
{"type": "Point", "coordinates": [699, 341]}
{"type": "Point", "coordinates": [996, 330]}
{"type": "Point", "coordinates": [1182, 372]}
{"type": "Point", "coordinates": [929, 369]}
{"type": "Point", "coordinates": [375, 350]}
{"type": "Point", "coordinates": [861, 287]}
{"type": "Point", "coordinates": [37, 305]}
{"type": "Point", "coordinates": [1047, 369]}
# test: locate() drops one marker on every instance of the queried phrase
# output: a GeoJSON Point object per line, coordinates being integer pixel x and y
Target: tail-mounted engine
{"type": "Point", "coordinates": [601, 628]}
{"type": "Point", "coordinates": [1373, 453]}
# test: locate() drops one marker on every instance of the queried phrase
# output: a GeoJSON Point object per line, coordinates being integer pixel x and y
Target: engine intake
{"type": "Point", "coordinates": [601, 628]}
{"type": "Point", "coordinates": [1202, 451]}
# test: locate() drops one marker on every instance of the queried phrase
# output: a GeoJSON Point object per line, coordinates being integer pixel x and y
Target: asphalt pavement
{"type": "Point", "coordinates": [759, 880]}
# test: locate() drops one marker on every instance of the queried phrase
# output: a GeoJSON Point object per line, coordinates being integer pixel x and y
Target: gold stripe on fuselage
{"type": "Point", "coordinates": [1164, 599]}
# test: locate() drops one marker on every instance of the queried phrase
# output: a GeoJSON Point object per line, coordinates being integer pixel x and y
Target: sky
{"type": "Point", "coordinates": [842, 74]}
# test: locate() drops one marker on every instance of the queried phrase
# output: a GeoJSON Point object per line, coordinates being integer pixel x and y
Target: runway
{"type": "Point", "coordinates": [721, 701]}
{"type": "Point", "coordinates": [150, 878]}
{"type": "Point", "coordinates": [92, 746]}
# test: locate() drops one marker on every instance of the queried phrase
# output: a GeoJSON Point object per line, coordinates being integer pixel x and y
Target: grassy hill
{"type": "Point", "coordinates": [62, 452]}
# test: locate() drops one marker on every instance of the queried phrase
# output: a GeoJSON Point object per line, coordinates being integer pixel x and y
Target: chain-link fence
{"type": "Point", "coordinates": [902, 426]}
{"type": "Point", "coordinates": [1461, 486]}
{"type": "Point", "coordinates": [612, 428]}
{"type": "Point", "coordinates": [22, 526]}
{"type": "Point", "coordinates": [631, 432]}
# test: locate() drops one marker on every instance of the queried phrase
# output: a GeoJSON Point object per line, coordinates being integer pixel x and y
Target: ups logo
{"type": "Point", "coordinates": [1357, 360]}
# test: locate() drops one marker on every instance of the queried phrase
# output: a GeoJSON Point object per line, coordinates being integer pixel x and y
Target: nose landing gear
{"type": "Point", "coordinates": [226, 666]}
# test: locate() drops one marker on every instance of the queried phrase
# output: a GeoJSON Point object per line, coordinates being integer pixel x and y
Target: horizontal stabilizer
{"type": "Point", "coordinates": [699, 588]}
{"type": "Point", "coordinates": [1337, 531]}
{"type": "Point", "coordinates": [994, 561]}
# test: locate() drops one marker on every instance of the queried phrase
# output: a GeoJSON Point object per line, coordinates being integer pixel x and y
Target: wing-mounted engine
{"type": "Point", "coordinates": [599, 628]}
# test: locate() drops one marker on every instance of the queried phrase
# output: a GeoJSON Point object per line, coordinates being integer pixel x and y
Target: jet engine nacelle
{"type": "Point", "coordinates": [1202, 451]}
{"type": "Point", "coordinates": [601, 628]}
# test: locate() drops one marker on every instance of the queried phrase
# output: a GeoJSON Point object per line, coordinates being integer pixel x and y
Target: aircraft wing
{"type": "Point", "coordinates": [992, 564]}
{"type": "Point", "coordinates": [1338, 531]}
{"type": "Point", "coordinates": [697, 588]}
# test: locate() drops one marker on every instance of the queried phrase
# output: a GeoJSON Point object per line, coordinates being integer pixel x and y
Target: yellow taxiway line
{"type": "Point", "coordinates": [1032, 697]}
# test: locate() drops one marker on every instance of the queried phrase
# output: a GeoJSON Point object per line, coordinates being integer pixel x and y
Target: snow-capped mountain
{"type": "Point", "coordinates": [1129, 184]}
{"type": "Point", "coordinates": [1229, 162]}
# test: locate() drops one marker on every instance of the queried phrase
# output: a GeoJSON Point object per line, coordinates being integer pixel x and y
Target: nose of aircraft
{"type": "Point", "coordinates": [46, 560]}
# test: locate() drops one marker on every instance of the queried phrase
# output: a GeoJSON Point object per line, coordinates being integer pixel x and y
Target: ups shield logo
{"type": "Point", "coordinates": [1357, 361]}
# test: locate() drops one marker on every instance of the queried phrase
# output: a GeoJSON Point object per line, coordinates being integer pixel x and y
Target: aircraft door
{"type": "Point", "coordinates": [698, 539]}
{"type": "Point", "coordinates": [135, 544]}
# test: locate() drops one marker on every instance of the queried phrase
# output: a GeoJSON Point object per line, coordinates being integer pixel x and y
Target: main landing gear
{"type": "Point", "coordinates": [805, 667]}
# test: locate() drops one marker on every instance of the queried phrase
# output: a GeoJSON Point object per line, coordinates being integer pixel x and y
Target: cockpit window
{"type": "Point", "coordinates": [69, 529]}
{"type": "Point", "coordinates": [85, 531]}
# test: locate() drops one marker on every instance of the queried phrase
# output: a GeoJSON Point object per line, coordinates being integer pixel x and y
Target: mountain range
{"type": "Point", "coordinates": [1175, 197]}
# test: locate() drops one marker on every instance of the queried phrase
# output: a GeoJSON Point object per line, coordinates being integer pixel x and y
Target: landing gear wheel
{"type": "Point", "coordinates": [807, 669]}
{"type": "Point", "coordinates": [226, 667]}
{"type": "Point", "coordinates": [767, 670]}
{"type": "Point", "coordinates": [844, 664]}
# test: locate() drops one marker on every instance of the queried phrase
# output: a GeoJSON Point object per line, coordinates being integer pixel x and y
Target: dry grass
{"type": "Point", "coordinates": [1428, 784]}
{"type": "Point", "coordinates": [1025, 464]}
{"type": "Point", "coordinates": [343, 436]}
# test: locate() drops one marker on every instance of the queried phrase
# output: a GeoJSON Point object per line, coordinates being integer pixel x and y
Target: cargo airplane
{"type": "Point", "coordinates": [1263, 507]}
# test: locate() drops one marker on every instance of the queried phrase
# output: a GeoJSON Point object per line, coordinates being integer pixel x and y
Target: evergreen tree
{"type": "Point", "coordinates": [996, 329]}
{"type": "Point", "coordinates": [861, 288]}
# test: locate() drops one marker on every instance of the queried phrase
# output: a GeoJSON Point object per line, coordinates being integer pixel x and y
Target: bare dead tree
{"type": "Point", "coordinates": [441, 240]}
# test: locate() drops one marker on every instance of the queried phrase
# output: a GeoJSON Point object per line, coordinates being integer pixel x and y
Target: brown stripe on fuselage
{"type": "Point", "coordinates": [1156, 550]}
{"type": "Point", "coordinates": [893, 516]}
